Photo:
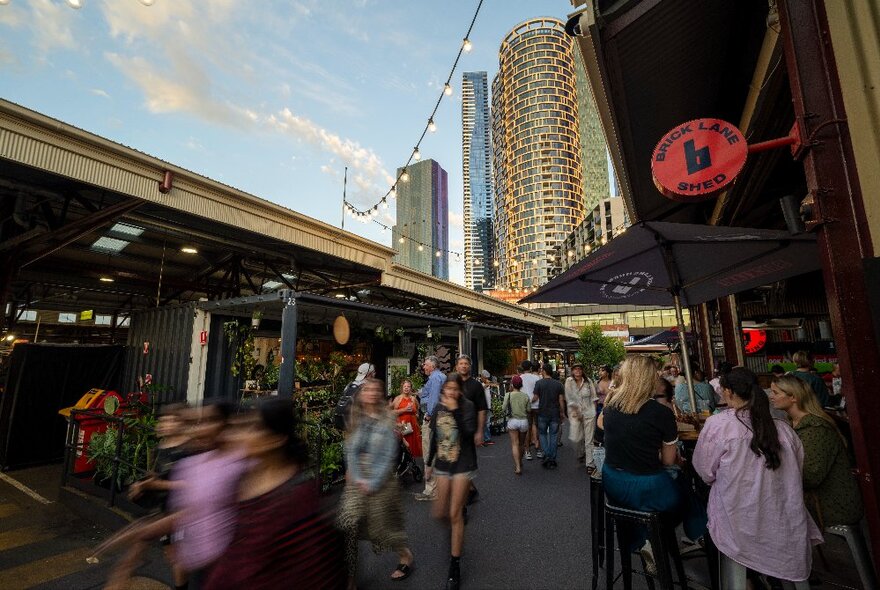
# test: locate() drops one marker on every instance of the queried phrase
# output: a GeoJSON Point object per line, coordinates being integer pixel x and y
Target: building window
{"type": "Point", "coordinates": [28, 315]}
{"type": "Point", "coordinates": [103, 320]}
{"type": "Point", "coordinates": [66, 318]}
{"type": "Point", "coordinates": [123, 322]}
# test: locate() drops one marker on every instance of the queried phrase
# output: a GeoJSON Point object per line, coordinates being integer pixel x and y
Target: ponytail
{"type": "Point", "coordinates": [765, 437]}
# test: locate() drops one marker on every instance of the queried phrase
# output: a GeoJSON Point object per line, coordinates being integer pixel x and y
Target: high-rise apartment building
{"type": "Point", "coordinates": [476, 147]}
{"type": "Point", "coordinates": [421, 234]}
{"type": "Point", "coordinates": [607, 219]}
{"type": "Point", "coordinates": [547, 145]}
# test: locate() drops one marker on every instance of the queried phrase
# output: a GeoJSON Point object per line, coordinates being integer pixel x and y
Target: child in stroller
{"type": "Point", "coordinates": [406, 464]}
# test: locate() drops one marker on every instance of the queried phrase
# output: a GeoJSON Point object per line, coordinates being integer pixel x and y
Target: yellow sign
{"type": "Point", "coordinates": [86, 315]}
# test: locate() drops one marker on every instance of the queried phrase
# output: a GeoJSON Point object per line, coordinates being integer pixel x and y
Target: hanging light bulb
{"type": "Point", "coordinates": [421, 248]}
{"type": "Point", "coordinates": [447, 89]}
{"type": "Point", "coordinates": [429, 334]}
{"type": "Point", "coordinates": [384, 204]}
{"type": "Point", "coordinates": [457, 256]}
{"type": "Point", "coordinates": [467, 45]}
{"type": "Point", "coordinates": [393, 192]}
{"type": "Point", "coordinates": [437, 253]}
{"type": "Point", "coordinates": [432, 127]}
{"type": "Point", "coordinates": [417, 155]}
{"type": "Point", "coordinates": [404, 177]}
{"type": "Point", "coordinates": [495, 263]}
{"type": "Point", "coordinates": [400, 240]}
{"type": "Point", "coordinates": [77, 4]}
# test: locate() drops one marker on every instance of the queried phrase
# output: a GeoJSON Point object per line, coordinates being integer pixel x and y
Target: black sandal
{"type": "Point", "coordinates": [405, 569]}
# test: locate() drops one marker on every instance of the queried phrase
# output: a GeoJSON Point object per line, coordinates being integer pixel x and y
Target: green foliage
{"type": "Point", "coordinates": [134, 455]}
{"type": "Point", "coordinates": [396, 378]}
{"type": "Point", "coordinates": [497, 355]}
{"type": "Point", "coordinates": [325, 442]}
{"type": "Point", "coordinates": [596, 349]}
{"type": "Point", "coordinates": [418, 380]}
{"type": "Point", "coordinates": [241, 341]}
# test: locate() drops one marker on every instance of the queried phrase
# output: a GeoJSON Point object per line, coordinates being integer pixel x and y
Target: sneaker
{"type": "Point", "coordinates": [528, 455]}
{"type": "Point", "coordinates": [421, 497]}
{"type": "Point", "coordinates": [540, 454]}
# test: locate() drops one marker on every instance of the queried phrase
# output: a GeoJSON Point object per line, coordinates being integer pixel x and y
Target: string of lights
{"type": "Point", "coordinates": [370, 213]}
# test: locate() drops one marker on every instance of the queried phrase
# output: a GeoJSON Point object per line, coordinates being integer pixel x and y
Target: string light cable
{"type": "Point", "coordinates": [369, 213]}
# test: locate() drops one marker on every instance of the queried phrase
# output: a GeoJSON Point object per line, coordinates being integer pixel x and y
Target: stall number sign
{"type": "Point", "coordinates": [697, 159]}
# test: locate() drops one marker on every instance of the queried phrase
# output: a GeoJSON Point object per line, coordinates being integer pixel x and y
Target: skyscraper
{"type": "Point", "coordinates": [421, 234]}
{"type": "Point", "coordinates": [540, 139]}
{"type": "Point", "coordinates": [476, 147]}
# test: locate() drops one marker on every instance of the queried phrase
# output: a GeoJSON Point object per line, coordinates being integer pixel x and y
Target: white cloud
{"type": "Point", "coordinates": [366, 168]}
{"type": "Point", "coordinates": [194, 144]}
{"type": "Point", "coordinates": [99, 92]}
{"type": "Point", "coordinates": [50, 23]}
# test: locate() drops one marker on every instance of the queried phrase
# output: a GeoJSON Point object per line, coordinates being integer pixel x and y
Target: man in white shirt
{"type": "Point", "coordinates": [529, 379]}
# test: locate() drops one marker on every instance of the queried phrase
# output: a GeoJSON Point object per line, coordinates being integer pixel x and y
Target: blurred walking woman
{"type": "Point", "coordinates": [370, 508]}
{"type": "Point", "coordinates": [757, 516]}
{"type": "Point", "coordinates": [281, 533]}
{"type": "Point", "coordinates": [830, 490]}
{"type": "Point", "coordinates": [406, 407]}
{"type": "Point", "coordinates": [454, 459]}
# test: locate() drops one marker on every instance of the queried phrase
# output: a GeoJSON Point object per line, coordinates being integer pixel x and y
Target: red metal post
{"type": "Point", "coordinates": [843, 233]}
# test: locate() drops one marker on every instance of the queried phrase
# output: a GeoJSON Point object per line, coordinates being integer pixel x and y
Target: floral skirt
{"type": "Point", "coordinates": [377, 518]}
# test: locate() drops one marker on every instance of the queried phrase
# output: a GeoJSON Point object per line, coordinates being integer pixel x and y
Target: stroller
{"type": "Point", "coordinates": [406, 464]}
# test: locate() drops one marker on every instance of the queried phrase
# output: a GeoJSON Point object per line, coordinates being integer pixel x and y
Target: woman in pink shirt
{"type": "Point", "coordinates": [757, 516]}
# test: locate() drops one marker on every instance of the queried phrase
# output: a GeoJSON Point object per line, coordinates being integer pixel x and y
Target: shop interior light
{"type": "Point", "coordinates": [189, 250]}
{"type": "Point", "coordinates": [10, 337]}
{"type": "Point", "coordinates": [106, 279]}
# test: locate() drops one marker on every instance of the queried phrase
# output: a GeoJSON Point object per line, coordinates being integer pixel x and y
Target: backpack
{"type": "Point", "coordinates": [342, 414]}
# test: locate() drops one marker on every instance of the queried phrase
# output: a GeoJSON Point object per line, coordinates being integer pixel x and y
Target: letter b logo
{"type": "Point", "coordinates": [697, 159]}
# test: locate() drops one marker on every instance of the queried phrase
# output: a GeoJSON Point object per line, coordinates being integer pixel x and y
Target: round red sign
{"type": "Point", "coordinates": [698, 159]}
{"type": "Point", "coordinates": [754, 340]}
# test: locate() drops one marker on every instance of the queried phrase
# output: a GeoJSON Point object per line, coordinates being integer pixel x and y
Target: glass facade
{"type": "Point", "coordinates": [652, 318]}
{"type": "Point", "coordinates": [476, 146]}
{"type": "Point", "coordinates": [538, 151]}
{"type": "Point", "coordinates": [423, 219]}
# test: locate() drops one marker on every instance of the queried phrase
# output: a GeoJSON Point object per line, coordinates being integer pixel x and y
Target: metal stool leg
{"type": "Point", "coordinates": [859, 549]}
{"type": "Point", "coordinates": [733, 575]}
{"type": "Point", "coordinates": [609, 553]}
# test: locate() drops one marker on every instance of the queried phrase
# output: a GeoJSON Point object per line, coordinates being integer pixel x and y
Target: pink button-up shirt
{"type": "Point", "coordinates": [206, 506]}
{"type": "Point", "coordinates": [757, 516]}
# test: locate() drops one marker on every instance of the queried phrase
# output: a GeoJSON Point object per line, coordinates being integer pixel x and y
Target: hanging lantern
{"type": "Point", "coordinates": [341, 330]}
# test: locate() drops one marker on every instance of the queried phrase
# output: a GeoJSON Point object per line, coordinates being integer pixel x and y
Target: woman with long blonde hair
{"type": "Point", "coordinates": [830, 490]}
{"type": "Point", "coordinates": [641, 439]}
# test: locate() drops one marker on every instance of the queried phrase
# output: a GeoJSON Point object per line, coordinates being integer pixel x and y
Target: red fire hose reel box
{"type": "Point", "coordinates": [101, 402]}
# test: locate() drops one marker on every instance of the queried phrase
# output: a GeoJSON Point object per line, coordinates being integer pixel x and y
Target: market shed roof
{"type": "Point", "coordinates": [87, 227]}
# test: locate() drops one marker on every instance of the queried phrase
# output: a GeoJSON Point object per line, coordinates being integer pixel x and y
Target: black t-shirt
{"type": "Point", "coordinates": [633, 441]}
{"type": "Point", "coordinates": [548, 391]}
{"type": "Point", "coordinates": [474, 391]}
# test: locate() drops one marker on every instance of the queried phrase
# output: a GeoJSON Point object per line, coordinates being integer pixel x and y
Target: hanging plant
{"type": "Point", "coordinates": [241, 341]}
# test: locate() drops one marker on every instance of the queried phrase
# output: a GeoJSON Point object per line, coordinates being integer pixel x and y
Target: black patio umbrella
{"type": "Point", "coordinates": [676, 264]}
{"type": "Point", "coordinates": [667, 337]}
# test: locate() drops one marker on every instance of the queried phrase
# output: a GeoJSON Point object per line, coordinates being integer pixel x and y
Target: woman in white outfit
{"type": "Point", "coordinates": [581, 397]}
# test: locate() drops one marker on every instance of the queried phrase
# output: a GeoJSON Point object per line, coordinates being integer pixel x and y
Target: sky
{"type": "Point", "coordinates": [274, 97]}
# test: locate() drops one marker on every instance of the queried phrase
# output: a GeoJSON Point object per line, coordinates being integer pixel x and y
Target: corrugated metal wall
{"type": "Point", "coordinates": [169, 331]}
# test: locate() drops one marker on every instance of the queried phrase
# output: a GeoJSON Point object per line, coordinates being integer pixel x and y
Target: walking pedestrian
{"type": "Point", "coordinates": [429, 396]}
{"type": "Point", "coordinates": [486, 380]}
{"type": "Point", "coordinates": [407, 410]}
{"type": "Point", "coordinates": [550, 396]}
{"type": "Point", "coordinates": [453, 460]}
{"type": "Point", "coordinates": [581, 397]}
{"type": "Point", "coordinates": [370, 507]}
{"type": "Point", "coordinates": [516, 405]}
{"type": "Point", "coordinates": [474, 393]}
{"type": "Point", "coordinates": [281, 534]}
{"type": "Point", "coordinates": [528, 386]}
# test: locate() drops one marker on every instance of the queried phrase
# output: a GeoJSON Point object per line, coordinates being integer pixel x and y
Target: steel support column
{"type": "Point", "coordinates": [704, 333]}
{"type": "Point", "coordinates": [287, 374]}
{"type": "Point", "coordinates": [843, 234]}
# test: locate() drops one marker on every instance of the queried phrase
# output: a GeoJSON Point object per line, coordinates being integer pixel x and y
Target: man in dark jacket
{"type": "Point", "coordinates": [550, 395]}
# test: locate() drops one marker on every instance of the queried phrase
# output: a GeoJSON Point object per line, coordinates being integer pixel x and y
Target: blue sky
{"type": "Point", "coordinates": [273, 97]}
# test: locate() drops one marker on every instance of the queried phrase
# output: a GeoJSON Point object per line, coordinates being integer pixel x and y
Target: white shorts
{"type": "Point", "coordinates": [520, 424]}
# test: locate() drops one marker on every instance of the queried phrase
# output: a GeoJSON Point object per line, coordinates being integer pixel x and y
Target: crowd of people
{"type": "Point", "coordinates": [237, 505]}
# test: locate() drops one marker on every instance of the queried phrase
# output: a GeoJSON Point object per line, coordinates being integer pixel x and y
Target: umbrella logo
{"type": "Point", "coordinates": [626, 285]}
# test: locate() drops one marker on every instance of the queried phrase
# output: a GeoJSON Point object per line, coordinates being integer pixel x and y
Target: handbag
{"type": "Point", "coordinates": [405, 428]}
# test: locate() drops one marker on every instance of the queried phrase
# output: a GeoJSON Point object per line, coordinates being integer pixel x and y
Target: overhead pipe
{"type": "Point", "coordinates": [167, 180]}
